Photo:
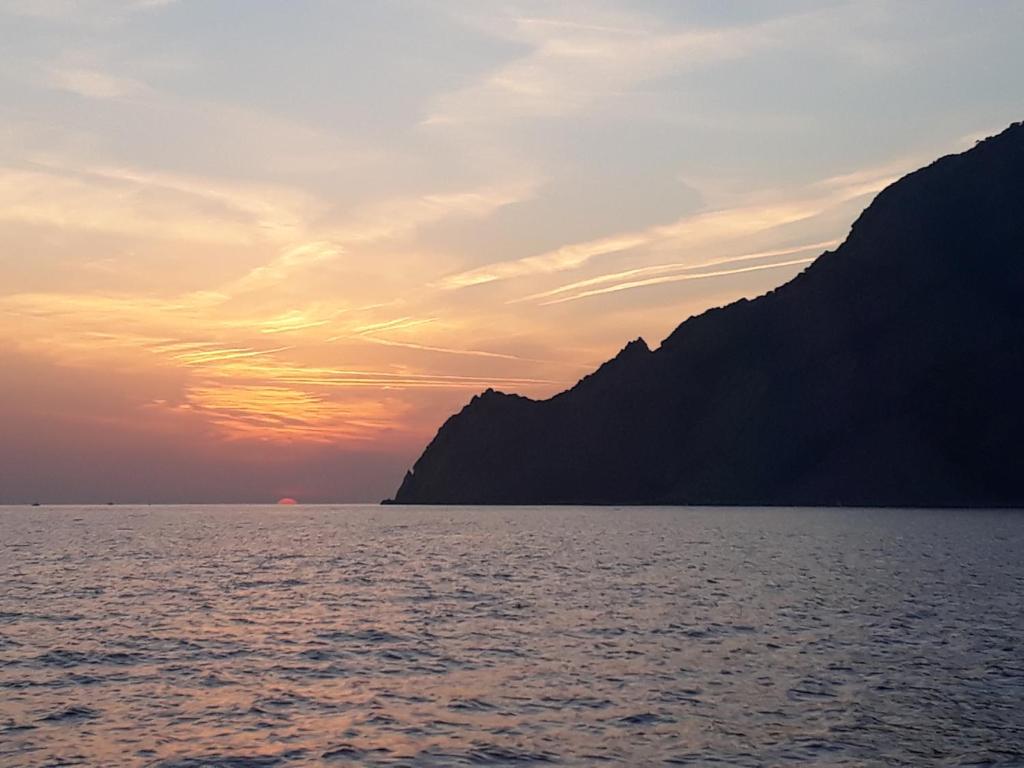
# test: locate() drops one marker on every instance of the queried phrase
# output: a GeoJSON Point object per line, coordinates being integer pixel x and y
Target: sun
{"type": "Point", "coordinates": [287, 501]}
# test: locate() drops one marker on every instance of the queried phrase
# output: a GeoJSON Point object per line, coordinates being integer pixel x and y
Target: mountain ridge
{"type": "Point", "coordinates": [881, 375]}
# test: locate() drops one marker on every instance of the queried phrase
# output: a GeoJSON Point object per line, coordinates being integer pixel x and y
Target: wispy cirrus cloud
{"type": "Point", "coordinates": [94, 83]}
{"type": "Point", "coordinates": [130, 201]}
{"type": "Point", "coordinates": [214, 356]}
{"type": "Point", "coordinates": [696, 233]}
{"type": "Point", "coordinates": [663, 272]}
{"type": "Point", "coordinates": [396, 217]}
{"type": "Point", "coordinates": [380, 222]}
{"type": "Point", "coordinates": [153, 204]}
{"type": "Point", "coordinates": [281, 267]}
{"type": "Point", "coordinates": [451, 350]}
{"type": "Point", "coordinates": [649, 281]}
{"type": "Point", "coordinates": [294, 321]}
{"type": "Point", "coordinates": [392, 325]}
{"type": "Point", "coordinates": [691, 231]}
{"type": "Point", "coordinates": [280, 413]}
{"type": "Point", "coordinates": [570, 66]}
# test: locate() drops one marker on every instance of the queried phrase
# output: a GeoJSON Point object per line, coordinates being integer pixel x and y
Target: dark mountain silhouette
{"type": "Point", "coordinates": [890, 372]}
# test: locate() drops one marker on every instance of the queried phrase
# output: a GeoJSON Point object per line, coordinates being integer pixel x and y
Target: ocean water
{"type": "Point", "coordinates": [264, 636]}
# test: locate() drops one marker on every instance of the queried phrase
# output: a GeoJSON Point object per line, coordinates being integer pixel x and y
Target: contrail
{"type": "Point", "coordinates": [674, 279]}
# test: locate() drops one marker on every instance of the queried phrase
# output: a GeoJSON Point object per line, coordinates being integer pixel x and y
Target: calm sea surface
{"type": "Point", "coordinates": [262, 636]}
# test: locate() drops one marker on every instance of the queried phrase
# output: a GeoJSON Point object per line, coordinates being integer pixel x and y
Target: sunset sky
{"type": "Point", "coordinates": [257, 249]}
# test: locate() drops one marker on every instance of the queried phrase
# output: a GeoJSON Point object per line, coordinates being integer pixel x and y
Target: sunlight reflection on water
{"type": "Point", "coordinates": [252, 636]}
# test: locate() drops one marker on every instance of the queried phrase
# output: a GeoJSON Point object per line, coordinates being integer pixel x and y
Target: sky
{"type": "Point", "coordinates": [255, 249]}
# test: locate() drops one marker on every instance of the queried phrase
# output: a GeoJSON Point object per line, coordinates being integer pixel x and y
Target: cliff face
{"type": "Point", "coordinates": [890, 372]}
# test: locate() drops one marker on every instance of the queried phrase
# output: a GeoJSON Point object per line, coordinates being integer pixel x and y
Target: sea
{"type": "Point", "coordinates": [257, 637]}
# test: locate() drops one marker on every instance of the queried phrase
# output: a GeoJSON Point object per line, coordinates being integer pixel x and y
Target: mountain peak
{"type": "Point", "coordinates": [635, 347]}
{"type": "Point", "coordinates": [885, 373]}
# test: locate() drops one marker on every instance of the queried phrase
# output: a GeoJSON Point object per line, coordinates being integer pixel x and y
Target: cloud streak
{"type": "Point", "coordinates": [572, 66]}
{"type": "Point", "coordinates": [450, 351]}
{"type": "Point", "coordinates": [667, 269]}
{"type": "Point", "coordinates": [688, 232]}
{"type": "Point", "coordinates": [137, 203]}
{"type": "Point", "coordinates": [94, 84]}
{"type": "Point", "coordinates": [631, 284]}
{"type": "Point", "coordinates": [698, 233]}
